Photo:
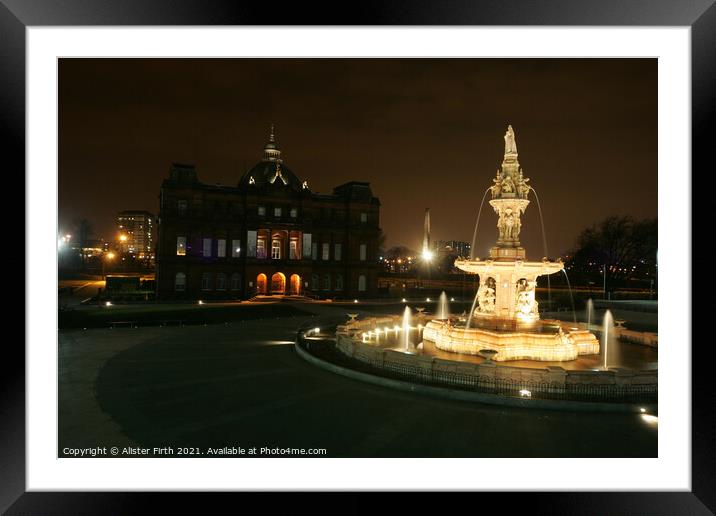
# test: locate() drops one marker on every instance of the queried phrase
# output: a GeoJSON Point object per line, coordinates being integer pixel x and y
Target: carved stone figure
{"type": "Point", "coordinates": [486, 299]}
{"type": "Point", "coordinates": [510, 144]}
{"type": "Point", "coordinates": [524, 188]}
{"type": "Point", "coordinates": [508, 186]}
{"type": "Point", "coordinates": [509, 224]}
{"type": "Point", "coordinates": [525, 303]}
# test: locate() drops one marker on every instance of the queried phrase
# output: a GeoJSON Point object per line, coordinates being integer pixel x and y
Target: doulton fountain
{"type": "Point", "coordinates": [505, 317]}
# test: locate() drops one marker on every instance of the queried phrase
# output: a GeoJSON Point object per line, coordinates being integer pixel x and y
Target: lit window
{"type": "Point", "coordinates": [364, 217]}
{"type": "Point", "coordinates": [235, 248]}
{"type": "Point", "coordinates": [306, 244]}
{"type": "Point", "coordinates": [361, 283]}
{"type": "Point", "coordinates": [180, 282]}
{"type": "Point", "coordinates": [221, 248]}
{"type": "Point", "coordinates": [207, 247]}
{"type": "Point", "coordinates": [294, 213]}
{"type": "Point", "coordinates": [326, 251]}
{"type": "Point", "coordinates": [337, 252]}
{"type": "Point", "coordinates": [206, 281]}
{"type": "Point", "coordinates": [261, 249]}
{"type": "Point", "coordinates": [181, 246]}
{"type": "Point", "coordinates": [326, 282]}
{"type": "Point", "coordinates": [276, 249]}
{"type": "Point", "coordinates": [339, 281]}
{"type": "Point", "coordinates": [314, 251]}
{"type": "Point", "coordinates": [363, 252]}
{"type": "Point", "coordinates": [293, 250]}
{"type": "Point", "coordinates": [251, 243]}
{"type": "Point", "coordinates": [277, 211]}
{"type": "Point", "coordinates": [262, 211]}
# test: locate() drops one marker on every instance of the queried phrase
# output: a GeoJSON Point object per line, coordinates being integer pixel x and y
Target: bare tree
{"type": "Point", "coordinates": [624, 246]}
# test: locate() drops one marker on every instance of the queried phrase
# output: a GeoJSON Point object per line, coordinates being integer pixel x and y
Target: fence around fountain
{"type": "Point", "coordinates": [615, 384]}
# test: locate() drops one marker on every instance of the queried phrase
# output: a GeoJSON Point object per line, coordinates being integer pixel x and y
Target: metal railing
{"type": "Point", "coordinates": [608, 393]}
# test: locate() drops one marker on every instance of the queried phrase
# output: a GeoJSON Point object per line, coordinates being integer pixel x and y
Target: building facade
{"type": "Point", "coordinates": [136, 233]}
{"type": "Point", "coordinates": [452, 247]}
{"type": "Point", "coordinates": [270, 234]}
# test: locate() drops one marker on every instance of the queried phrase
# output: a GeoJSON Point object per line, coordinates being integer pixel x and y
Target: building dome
{"type": "Point", "coordinates": [271, 170]}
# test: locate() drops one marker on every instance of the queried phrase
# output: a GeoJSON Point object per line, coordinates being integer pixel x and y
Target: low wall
{"type": "Point", "coordinates": [645, 338]}
{"type": "Point", "coordinates": [349, 342]}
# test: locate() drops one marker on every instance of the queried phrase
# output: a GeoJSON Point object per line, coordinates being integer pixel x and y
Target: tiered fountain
{"type": "Point", "coordinates": [504, 317]}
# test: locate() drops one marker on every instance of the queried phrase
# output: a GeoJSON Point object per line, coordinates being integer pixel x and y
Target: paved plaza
{"type": "Point", "coordinates": [242, 384]}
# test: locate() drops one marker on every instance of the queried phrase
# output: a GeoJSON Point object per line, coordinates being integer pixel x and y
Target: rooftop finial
{"type": "Point", "coordinates": [272, 152]}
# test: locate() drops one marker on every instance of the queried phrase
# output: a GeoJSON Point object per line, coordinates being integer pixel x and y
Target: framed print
{"type": "Point", "coordinates": [422, 252]}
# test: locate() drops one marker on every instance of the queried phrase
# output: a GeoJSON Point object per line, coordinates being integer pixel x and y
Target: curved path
{"type": "Point", "coordinates": [242, 384]}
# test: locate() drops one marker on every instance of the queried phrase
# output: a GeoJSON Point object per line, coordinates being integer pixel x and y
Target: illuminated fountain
{"type": "Point", "coordinates": [504, 316]}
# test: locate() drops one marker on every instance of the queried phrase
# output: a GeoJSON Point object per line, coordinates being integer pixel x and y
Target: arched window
{"type": "Point", "coordinates": [235, 281]}
{"type": "Point", "coordinates": [221, 281]}
{"type": "Point", "coordinates": [361, 283]}
{"type": "Point", "coordinates": [180, 282]}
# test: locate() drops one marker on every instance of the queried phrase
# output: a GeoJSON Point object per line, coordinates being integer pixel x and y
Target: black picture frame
{"type": "Point", "coordinates": [17, 15]}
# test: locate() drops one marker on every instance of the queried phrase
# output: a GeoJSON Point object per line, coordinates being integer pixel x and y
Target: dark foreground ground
{"type": "Point", "coordinates": [242, 385]}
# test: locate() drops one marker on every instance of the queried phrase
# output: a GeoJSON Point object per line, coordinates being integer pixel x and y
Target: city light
{"type": "Point", "coordinates": [122, 238]}
{"type": "Point", "coordinates": [525, 393]}
{"type": "Point", "coordinates": [110, 255]}
{"type": "Point", "coordinates": [427, 255]}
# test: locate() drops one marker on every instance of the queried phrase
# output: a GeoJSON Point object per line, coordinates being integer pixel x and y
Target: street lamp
{"type": "Point", "coordinates": [108, 256]}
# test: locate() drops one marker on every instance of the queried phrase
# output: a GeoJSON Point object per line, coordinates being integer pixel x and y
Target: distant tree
{"type": "Point", "coordinates": [627, 247]}
{"type": "Point", "coordinates": [446, 263]}
{"type": "Point", "coordinates": [399, 251]}
{"type": "Point", "coordinates": [381, 243]}
{"type": "Point", "coordinates": [83, 231]}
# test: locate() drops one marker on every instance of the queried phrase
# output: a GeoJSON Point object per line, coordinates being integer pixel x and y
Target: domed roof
{"type": "Point", "coordinates": [267, 172]}
{"type": "Point", "coordinates": [271, 170]}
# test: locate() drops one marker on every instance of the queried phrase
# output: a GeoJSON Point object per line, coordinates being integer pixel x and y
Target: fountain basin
{"type": "Point", "coordinates": [521, 344]}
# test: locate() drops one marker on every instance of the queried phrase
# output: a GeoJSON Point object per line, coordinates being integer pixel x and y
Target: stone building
{"type": "Point", "coordinates": [269, 234]}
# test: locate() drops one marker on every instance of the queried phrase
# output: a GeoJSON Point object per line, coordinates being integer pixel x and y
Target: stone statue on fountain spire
{"type": "Point", "coordinates": [510, 143]}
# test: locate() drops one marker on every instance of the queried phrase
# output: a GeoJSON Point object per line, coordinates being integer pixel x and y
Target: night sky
{"type": "Point", "coordinates": [423, 132]}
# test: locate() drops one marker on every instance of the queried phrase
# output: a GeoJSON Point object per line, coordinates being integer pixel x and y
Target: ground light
{"type": "Point", "coordinates": [201, 302]}
{"type": "Point", "coordinates": [355, 300]}
{"type": "Point", "coordinates": [525, 393]}
{"type": "Point", "coordinates": [649, 418]}
{"type": "Point", "coordinates": [404, 300]}
{"type": "Point", "coordinates": [108, 303]}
